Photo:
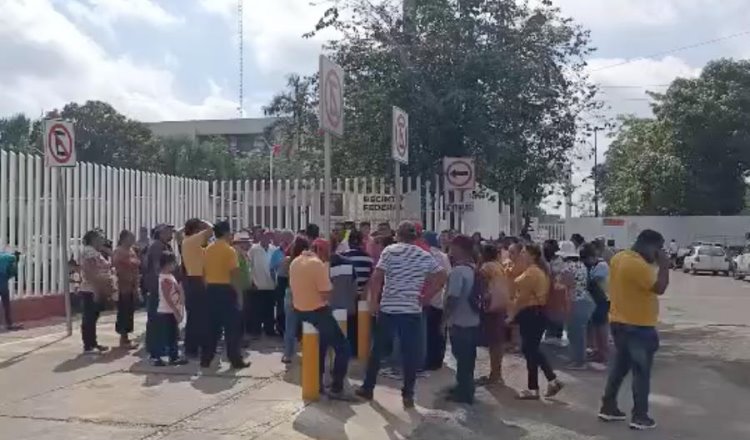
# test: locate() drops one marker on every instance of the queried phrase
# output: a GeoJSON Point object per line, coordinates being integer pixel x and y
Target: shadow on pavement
{"type": "Point", "coordinates": [85, 360]}
{"type": "Point", "coordinates": [21, 356]}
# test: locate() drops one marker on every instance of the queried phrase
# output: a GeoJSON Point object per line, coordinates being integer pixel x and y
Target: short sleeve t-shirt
{"type": "Point", "coordinates": [308, 277]}
{"type": "Point", "coordinates": [405, 267]}
{"type": "Point", "coordinates": [192, 252]}
{"type": "Point", "coordinates": [632, 298]}
{"type": "Point", "coordinates": [460, 285]}
{"type": "Point", "coordinates": [220, 260]}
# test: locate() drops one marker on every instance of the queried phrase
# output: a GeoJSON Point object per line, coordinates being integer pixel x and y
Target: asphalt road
{"type": "Point", "coordinates": [700, 390]}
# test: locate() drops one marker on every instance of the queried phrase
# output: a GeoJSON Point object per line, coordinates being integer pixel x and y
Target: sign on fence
{"type": "Point", "coordinates": [59, 143]}
{"type": "Point", "coordinates": [460, 207]}
{"type": "Point", "coordinates": [459, 173]}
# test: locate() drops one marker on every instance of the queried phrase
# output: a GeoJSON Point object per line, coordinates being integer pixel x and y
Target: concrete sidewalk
{"type": "Point", "coordinates": [51, 392]}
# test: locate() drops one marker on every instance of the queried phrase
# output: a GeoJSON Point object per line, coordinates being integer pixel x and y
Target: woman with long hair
{"type": "Point", "coordinates": [496, 289]}
{"type": "Point", "coordinates": [96, 287]}
{"type": "Point", "coordinates": [532, 288]}
{"type": "Point", "coordinates": [126, 264]}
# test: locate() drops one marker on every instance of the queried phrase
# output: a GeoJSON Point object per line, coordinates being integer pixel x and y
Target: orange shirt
{"type": "Point", "coordinates": [309, 280]}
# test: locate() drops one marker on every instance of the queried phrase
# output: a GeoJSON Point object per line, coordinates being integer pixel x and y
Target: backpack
{"type": "Point", "coordinates": [477, 301]}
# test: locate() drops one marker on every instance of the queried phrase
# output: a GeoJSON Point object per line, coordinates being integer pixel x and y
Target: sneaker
{"type": "Point", "coordinates": [408, 402]}
{"type": "Point", "coordinates": [158, 362]}
{"type": "Point", "coordinates": [286, 360]}
{"type": "Point", "coordinates": [611, 413]}
{"type": "Point", "coordinates": [528, 395]}
{"type": "Point", "coordinates": [240, 365]}
{"type": "Point", "coordinates": [489, 381]}
{"type": "Point", "coordinates": [178, 361]}
{"type": "Point", "coordinates": [341, 395]}
{"type": "Point", "coordinates": [101, 348]}
{"type": "Point", "coordinates": [554, 388]}
{"type": "Point", "coordinates": [90, 351]}
{"type": "Point", "coordinates": [363, 393]}
{"type": "Point", "coordinates": [642, 423]}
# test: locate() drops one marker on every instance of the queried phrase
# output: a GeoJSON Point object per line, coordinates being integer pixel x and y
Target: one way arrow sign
{"type": "Point", "coordinates": [459, 173]}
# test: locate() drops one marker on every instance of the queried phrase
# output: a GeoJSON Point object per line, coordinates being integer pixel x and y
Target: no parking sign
{"type": "Point", "coordinates": [59, 143]}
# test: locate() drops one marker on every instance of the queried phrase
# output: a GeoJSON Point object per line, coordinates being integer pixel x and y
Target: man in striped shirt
{"type": "Point", "coordinates": [405, 279]}
{"type": "Point", "coordinates": [363, 265]}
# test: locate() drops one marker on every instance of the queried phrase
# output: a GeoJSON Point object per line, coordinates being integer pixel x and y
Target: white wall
{"type": "Point", "coordinates": [728, 230]}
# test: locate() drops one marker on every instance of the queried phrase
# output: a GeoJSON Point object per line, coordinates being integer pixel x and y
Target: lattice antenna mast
{"type": "Point", "coordinates": [240, 36]}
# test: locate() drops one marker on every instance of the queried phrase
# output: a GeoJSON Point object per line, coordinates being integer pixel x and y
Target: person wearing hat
{"type": "Point", "coordinates": [581, 304]}
{"type": "Point", "coordinates": [242, 281]}
{"type": "Point", "coordinates": [162, 237]}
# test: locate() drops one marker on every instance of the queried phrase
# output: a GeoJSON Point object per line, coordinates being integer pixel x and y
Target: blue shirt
{"type": "Point", "coordinates": [8, 268]}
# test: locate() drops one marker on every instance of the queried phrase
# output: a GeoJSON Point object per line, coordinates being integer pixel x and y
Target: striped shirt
{"type": "Point", "coordinates": [362, 263]}
{"type": "Point", "coordinates": [406, 266]}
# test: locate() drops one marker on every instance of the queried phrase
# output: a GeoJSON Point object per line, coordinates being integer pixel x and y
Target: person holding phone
{"type": "Point", "coordinates": [634, 289]}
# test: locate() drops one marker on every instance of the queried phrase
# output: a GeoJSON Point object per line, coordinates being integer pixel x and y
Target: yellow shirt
{"type": "Point", "coordinates": [308, 277]}
{"type": "Point", "coordinates": [532, 288]}
{"type": "Point", "coordinates": [220, 261]}
{"type": "Point", "coordinates": [631, 290]}
{"type": "Point", "coordinates": [192, 252]}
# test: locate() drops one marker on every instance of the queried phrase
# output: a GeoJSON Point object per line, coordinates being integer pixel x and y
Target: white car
{"type": "Point", "coordinates": [742, 264]}
{"type": "Point", "coordinates": [708, 258]}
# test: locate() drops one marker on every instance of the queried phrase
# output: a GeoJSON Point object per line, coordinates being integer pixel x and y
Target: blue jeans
{"type": "Point", "coordinates": [635, 347]}
{"type": "Point", "coordinates": [577, 324]}
{"type": "Point", "coordinates": [464, 347]}
{"type": "Point", "coordinates": [407, 327]}
{"type": "Point", "coordinates": [290, 326]}
{"type": "Point", "coordinates": [330, 336]}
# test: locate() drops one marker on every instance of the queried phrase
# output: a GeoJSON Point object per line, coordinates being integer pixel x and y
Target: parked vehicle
{"type": "Point", "coordinates": [708, 258]}
{"type": "Point", "coordinates": [742, 264]}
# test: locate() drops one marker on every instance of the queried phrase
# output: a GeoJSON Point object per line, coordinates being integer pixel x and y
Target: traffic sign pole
{"type": "Point", "coordinates": [327, 184]}
{"type": "Point", "coordinates": [397, 190]}
{"type": "Point", "coordinates": [62, 195]}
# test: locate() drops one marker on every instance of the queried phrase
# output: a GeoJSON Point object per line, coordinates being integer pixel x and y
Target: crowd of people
{"type": "Point", "coordinates": [425, 291]}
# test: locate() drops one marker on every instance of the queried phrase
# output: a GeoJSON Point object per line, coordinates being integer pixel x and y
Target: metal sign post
{"type": "Point", "coordinates": [399, 152]}
{"type": "Point", "coordinates": [331, 122]}
{"type": "Point", "coordinates": [60, 153]}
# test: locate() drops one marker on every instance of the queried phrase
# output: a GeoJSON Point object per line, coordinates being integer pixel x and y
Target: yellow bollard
{"type": "Point", "coordinates": [310, 362]}
{"type": "Point", "coordinates": [363, 331]}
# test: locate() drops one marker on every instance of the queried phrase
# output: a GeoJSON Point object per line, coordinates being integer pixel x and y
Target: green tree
{"type": "Point", "coordinates": [15, 133]}
{"type": "Point", "coordinates": [642, 174]}
{"type": "Point", "coordinates": [709, 122]}
{"type": "Point", "coordinates": [499, 80]}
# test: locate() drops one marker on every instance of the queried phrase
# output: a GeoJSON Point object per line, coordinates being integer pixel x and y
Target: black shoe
{"type": "Point", "coordinates": [611, 413]}
{"type": "Point", "coordinates": [341, 395]}
{"type": "Point", "coordinates": [363, 393]}
{"type": "Point", "coordinates": [642, 423]}
{"type": "Point", "coordinates": [239, 365]}
{"type": "Point", "coordinates": [178, 361]}
{"type": "Point", "coordinates": [101, 348]}
{"type": "Point", "coordinates": [158, 363]}
{"type": "Point", "coordinates": [455, 398]}
{"type": "Point", "coordinates": [408, 402]}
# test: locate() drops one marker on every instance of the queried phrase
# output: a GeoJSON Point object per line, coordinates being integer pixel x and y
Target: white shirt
{"type": "Point", "coordinates": [259, 260]}
{"type": "Point", "coordinates": [444, 262]}
{"type": "Point", "coordinates": [168, 286]}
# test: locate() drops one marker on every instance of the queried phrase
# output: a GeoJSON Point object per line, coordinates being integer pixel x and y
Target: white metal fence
{"type": "Point", "coordinates": [97, 197]}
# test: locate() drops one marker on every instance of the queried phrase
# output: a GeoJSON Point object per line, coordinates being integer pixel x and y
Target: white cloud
{"type": "Point", "coordinates": [106, 12]}
{"type": "Point", "coordinates": [48, 62]}
{"type": "Point", "coordinates": [273, 30]}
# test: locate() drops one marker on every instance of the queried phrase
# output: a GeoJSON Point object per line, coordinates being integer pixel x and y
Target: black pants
{"type": "Point", "coordinates": [554, 330]}
{"type": "Point", "coordinates": [5, 296]}
{"type": "Point", "coordinates": [435, 338]}
{"type": "Point", "coordinates": [152, 304]}
{"type": "Point", "coordinates": [464, 346]}
{"type": "Point", "coordinates": [91, 310]}
{"type": "Point", "coordinates": [351, 333]}
{"type": "Point", "coordinates": [196, 321]}
{"type": "Point", "coordinates": [125, 312]}
{"type": "Point", "coordinates": [224, 316]}
{"type": "Point", "coordinates": [281, 284]}
{"type": "Point", "coordinates": [532, 323]}
{"type": "Point", "coordinates": [262, 305]}
{"type": "Point", "coordinates": [167, 333]}
{"type": "Point", "coordinates": [330, 336]}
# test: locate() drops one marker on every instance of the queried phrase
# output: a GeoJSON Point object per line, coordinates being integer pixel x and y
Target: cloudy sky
{"type": "Point", "coordinates": [177, 59]}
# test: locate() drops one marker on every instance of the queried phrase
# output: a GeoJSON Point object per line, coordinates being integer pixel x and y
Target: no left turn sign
{"type": "Point", "coordinates": [400, 136]}
{"type": "Point", "coordinates": [459, 173]}
{"type": "Point", "coordinates": [59, 144]}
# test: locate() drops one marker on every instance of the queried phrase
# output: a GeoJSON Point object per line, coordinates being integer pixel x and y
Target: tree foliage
{"type": "Point", "coordinates": [642, 175]}
{"type": "Point", "coordinates": [15, 132]}
{"type": "Point", "coordinates": [694, 157]}
{"type": "Point", "coordinates": [499, 80]}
